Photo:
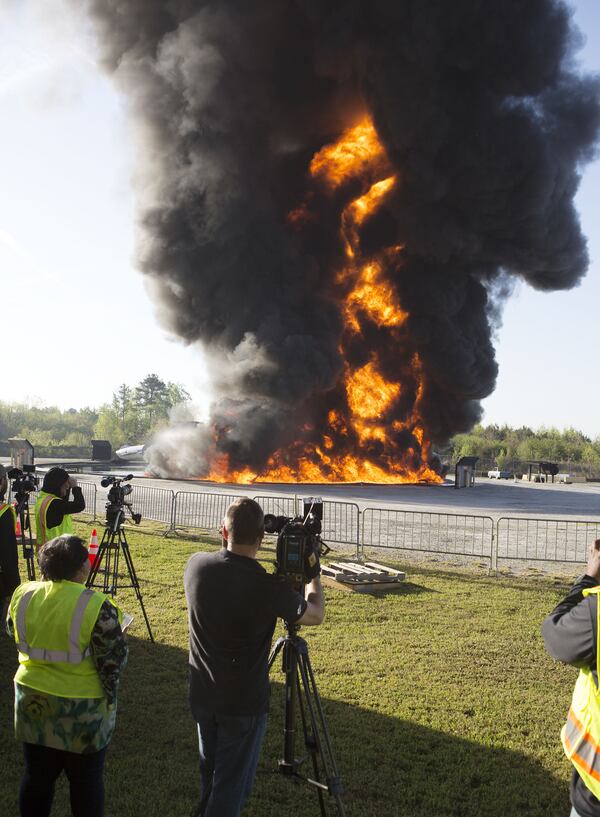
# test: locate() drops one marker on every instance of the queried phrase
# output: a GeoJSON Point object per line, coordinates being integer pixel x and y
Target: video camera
{"type": "Point", "coordinates": [116, 498]}
{"type": "Point", "coordinates": [297, 537]}
{"type": "Point", "coordinates": [24, 482]}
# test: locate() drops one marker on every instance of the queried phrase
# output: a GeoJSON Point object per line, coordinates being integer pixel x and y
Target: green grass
{"type": "Point", "coordinates": [440, 700]}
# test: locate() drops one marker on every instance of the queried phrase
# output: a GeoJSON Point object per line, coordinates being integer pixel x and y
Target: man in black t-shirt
{"type": "Point", "coordinates": [233, 606]}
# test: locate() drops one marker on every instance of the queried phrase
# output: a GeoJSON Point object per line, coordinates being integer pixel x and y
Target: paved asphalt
{"type": "Point", "coordinates": [490, 497]}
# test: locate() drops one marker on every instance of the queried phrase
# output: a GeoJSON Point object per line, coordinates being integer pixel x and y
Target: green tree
{"type": "Point", "coordinates": [109, 427]}
{"type": "Point", "coordinates": [122, 403]}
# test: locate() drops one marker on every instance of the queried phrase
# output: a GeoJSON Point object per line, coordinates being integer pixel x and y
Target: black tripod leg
{"type": "Point", "coordinates": [31, 554]}
{"type": "Point", "coordinates": [103, 555]}
{"type": "Point", "coordinates": [28, 548]}
{"type": "Point", "coordinates": [317, 719]}
{"type": "Point", "coordinates": [134, 580]}
{"type": "Point", "coordinates": [113, 541]}
{"type": "Point", "coordinates": [310, 741]}
{"type": "Point", "coordinates": [275, 651]}
{"type": "Point", "coordinates": [300, 686]}
{"type": "Point", "coordinates": [290, 667]}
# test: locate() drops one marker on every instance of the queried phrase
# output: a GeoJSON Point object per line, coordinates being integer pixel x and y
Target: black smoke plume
{"type": "Point", "coordinates": [485, 119]}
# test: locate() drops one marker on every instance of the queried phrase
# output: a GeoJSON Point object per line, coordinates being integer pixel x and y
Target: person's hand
{"type": "Point", "coordinates": [312, 564]}
{"type": "Point", "coordinates": [72, 482]}
{"type": "Point", "coordinates": [593, 565]}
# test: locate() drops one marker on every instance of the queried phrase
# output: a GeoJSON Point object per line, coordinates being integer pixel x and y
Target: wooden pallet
{"type": "Point", "coordinates": [361, 577]}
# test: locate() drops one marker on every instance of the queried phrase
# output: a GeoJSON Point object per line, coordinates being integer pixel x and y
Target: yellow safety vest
{"type": "Point", "coordinates": [4, 506]}
{"type": "Point", "coordinates": [43, 533]}
{"type": "Point", "coordinates": [581, 733]}
{"type": "Point", "coordinates": [53, 623]}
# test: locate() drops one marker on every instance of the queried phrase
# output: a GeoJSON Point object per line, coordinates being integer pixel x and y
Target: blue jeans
{"type": "Point", "coordinates": [229, 750]}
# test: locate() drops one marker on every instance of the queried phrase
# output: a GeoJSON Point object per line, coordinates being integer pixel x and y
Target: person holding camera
{"type": "Point", "coordinates": [53, 510]}
{"type": "Point", "coordinates": [71, 654]}
{"type": "Point", "coordinates": [233, 606]}
{"type": "Point", "coordinates": [571, 635]}
{"type": "Point", "coordinates": [9, 557]}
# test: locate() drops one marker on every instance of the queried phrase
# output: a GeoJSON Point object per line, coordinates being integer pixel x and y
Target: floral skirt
{"type": "Point", "coordinates": [78, 725]}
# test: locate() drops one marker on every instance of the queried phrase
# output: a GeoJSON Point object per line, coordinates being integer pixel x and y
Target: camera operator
{"type": "Point", "coordinates": [571, 635]}
{"type": "Point", "coordinates": [53, 509]}
{"type": "Point", "coordinates": [9, 558]}
{"type": "Point", "coordinates": [233, 606]}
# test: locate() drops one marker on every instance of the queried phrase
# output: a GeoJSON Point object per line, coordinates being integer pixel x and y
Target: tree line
{"type": "Point", "coordinates": [505, 445]}
{"type": "Point", "coordinates": [133, 414]}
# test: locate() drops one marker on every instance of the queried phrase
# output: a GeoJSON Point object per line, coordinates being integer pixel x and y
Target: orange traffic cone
{"type": "Point", "coordinates": [93, 548]}
{"type": "Point", "coordinates": [18, 527]}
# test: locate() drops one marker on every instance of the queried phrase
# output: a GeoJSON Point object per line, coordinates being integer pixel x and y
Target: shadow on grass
{"type": "Point", "coordinates": [390, 767]}
{"type": "Point", "coordinates": [402, 589]}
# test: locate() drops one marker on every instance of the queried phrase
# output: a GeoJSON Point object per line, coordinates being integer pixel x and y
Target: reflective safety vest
{"type": "Point", "coordinates": [43, 533]}
{"type": "Point", "coordinates": [581, 733]}
{"type": "Point", "coordinates": [5, 506]}
{"type": "Point", "coordinates": [53, 623]}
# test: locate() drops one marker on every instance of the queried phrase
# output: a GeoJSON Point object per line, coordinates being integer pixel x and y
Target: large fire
{"type": "Point", "coordinates": [362, 443]}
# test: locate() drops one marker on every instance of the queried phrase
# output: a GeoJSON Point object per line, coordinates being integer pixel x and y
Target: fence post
{"type": "Point", "coordinates": [494, 550]}
{"type": "Point", "coordinates": [95, 501]}
{"type": "Point", "coordinates": [361, 534]}
{"type": "Point", "coordinates": [171, 528]}
{"type": "Point", "coordinates": [359, 552]}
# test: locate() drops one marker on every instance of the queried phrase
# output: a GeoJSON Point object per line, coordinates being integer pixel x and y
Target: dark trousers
{"type": "Point", "coordinates": [43, 767]}
{"type": "Point", "coordinates": [229, 750]}
{"type": "Point", "coordinates": [9, 561]}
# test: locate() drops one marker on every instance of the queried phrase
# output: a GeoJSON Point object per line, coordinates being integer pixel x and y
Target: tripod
{"type": "Point", "coordinates": [301, 689]}
{"type": "Point", "coordinates": [114, 542]}
{"type": "Point", "coordinates": [22, 512]}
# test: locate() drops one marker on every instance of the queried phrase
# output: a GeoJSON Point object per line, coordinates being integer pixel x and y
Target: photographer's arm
{"type": "Point", "coordinates": [315, 603]}
{"type": "Point", "coordinates": [59, 508]}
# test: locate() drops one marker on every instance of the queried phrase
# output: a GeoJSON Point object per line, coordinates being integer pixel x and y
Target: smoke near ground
{"type": "Point", "coordinates": [486, 122]}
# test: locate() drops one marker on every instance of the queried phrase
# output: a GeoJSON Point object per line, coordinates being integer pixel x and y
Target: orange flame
{"type": "Point", "coordinates": [369, 395]}
{"type": "Point", "coordinates": [358, 153]}
{"type": "Point", "coordinates": [375, 297]}
{"type": "Point", "coordinates": [366, 296]}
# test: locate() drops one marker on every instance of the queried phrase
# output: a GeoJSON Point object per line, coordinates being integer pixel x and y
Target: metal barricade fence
{"type": "Point", "coordinates": [510, 538]}
{"type": "Point", "coordinates": [544, 540]}
{"type": "Point", "coordinates": [279, 505]}
{"type": "Point", "coordinates": [155, 504]}
{"type": "Point", "coordinates": [341, 523]}
{"type": "Point", "coordinates": [89, 491]}
{"type": "Point", "coordinates": [447, 534]}
{"type": "Point", "coordinates": [200, 510]}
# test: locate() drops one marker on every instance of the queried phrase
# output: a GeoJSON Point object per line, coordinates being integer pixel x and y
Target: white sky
{"type": "Point", "coordinates": [70, 290]}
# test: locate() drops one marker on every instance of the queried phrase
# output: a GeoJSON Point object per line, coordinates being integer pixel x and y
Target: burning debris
{"type": "Point", "coordinates": [332, 199]}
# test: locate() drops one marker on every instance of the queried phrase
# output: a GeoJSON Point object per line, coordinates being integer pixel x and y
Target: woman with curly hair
{"type": "Point", "coordinates": [72, 651]}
